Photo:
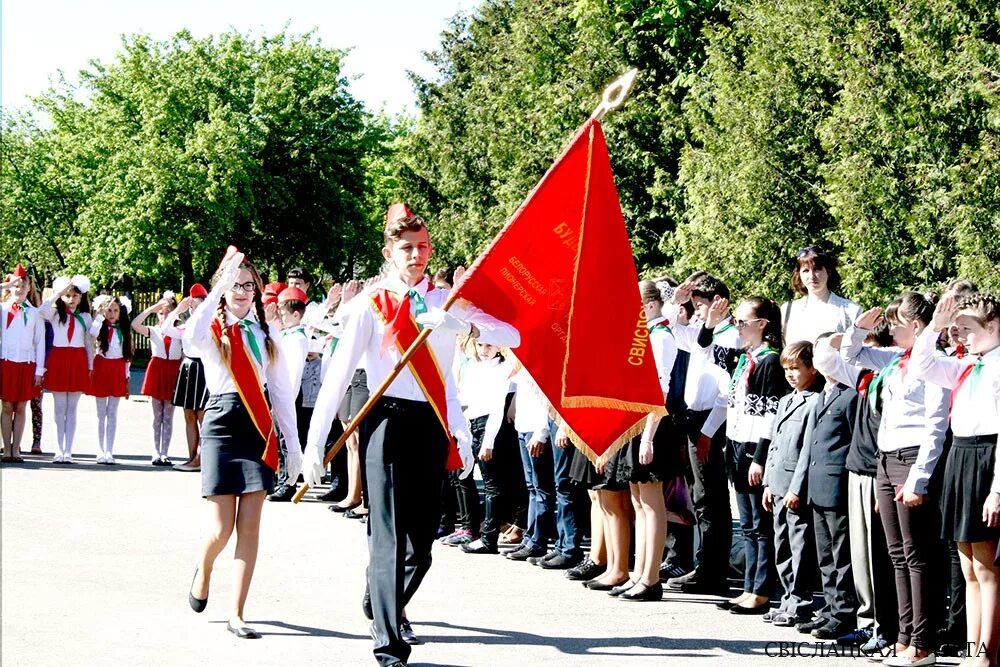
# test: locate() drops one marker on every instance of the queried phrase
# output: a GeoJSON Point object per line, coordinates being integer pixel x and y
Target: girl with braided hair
{"type": "Point", "coordinates": [247, 383]}
{"type": "Point", "coordinates": [970, 497]}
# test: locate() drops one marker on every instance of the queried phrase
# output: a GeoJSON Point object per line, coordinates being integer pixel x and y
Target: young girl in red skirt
{"type": "Point", "coordinates": [67, 374]}
{"type": "Point", "coordinates": [112, 333]}
{"type": "Point", "coordinates": [22, 357]}
{"type": "Point", "coordinates": [161, 374]}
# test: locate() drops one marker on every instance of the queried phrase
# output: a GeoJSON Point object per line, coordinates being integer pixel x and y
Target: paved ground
{"type": "Point", "coordinates": [96, 564]}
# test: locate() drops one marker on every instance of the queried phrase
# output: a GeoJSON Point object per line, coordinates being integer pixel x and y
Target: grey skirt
{"type": "Point", "coordinates": [232, 450]}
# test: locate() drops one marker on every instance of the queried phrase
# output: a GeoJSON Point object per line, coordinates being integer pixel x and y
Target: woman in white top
{"type": "Point", "coordinates": [247, 382]}
{"type": "Point", "coordinates": [970, 496]}
{"type": "Point", "coordinates": [818, 310]}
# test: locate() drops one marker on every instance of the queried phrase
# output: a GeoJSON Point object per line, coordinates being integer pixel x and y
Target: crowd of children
{"type": "Point", "coordinates": [860, 446]}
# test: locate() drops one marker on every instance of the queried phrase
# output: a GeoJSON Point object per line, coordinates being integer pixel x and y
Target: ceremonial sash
{"type": "Point", "coordinates": [401, 329]}
{"type": "Point", "coordinates": [249, 386]}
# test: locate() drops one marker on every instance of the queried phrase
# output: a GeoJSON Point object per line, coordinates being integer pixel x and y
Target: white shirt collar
{"type": "Point", "coordinates": [656, 320]}
{"type": "Point", "coordinates": [396, 285]}
{"type": "Point", "coordinates": [251, 317]}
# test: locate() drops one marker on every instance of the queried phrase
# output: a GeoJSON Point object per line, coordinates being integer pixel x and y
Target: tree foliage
{"type": "Point", "coordinates": [184, 146]}
{"type": "Point", "coordinates": [757, 128]}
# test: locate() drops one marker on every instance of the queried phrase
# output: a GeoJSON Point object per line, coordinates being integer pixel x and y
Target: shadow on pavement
{"type": "Point", "coordinates": [627, 646]}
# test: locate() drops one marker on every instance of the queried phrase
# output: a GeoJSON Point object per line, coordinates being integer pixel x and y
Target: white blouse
{"type": "Point", "coordinates": [807, 318]}
{"type": "Point", "coordinates": [199, 338]}
{"type": "Point", "coordinates": [23, 339]}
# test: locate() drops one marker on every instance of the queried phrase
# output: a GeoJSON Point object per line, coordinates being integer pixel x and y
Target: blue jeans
{"type": "Point", "coordinates": [758, 543]}
{"type": "Point", "coordinates": [539, 477]}
{"type": "Point", "coordinates": [568, 542]}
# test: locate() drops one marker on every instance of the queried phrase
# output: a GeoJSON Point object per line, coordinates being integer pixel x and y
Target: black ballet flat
{"type": "Point", "coordinates": [596, 585]}
{"type": "Point", "coordinates": [340, 509]}
{"type": "Point", "coordinates": [652, 593]}
{"type": "Point", "coordinates": [351, 514]}
{"type": "Point", "coordinates": [196, 604]}
{"type": "Point", "coordinates": [243, 632]}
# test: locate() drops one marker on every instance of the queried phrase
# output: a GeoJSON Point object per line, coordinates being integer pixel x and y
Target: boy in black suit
{"type": "Point", "coordinates": [829, 428]}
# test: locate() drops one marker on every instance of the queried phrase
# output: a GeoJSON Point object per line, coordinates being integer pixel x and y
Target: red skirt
{"type": "Point", "coordinates": [108, 378]}
{"type": "Point", "coordinates": [161, 378]}
{"type": "Point", "coordinates": [66, 370]}
{"type": "Point", "coordinates": [17, 381]}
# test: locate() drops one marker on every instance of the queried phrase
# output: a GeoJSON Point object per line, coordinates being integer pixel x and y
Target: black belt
{"type": "Point", "coordinates": [899, 454]}
{"type": "Point", "coordinates": [974, 440]}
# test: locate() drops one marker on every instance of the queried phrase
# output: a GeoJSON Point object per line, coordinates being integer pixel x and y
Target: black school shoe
{"type": "Point", "coordinates": [479, 547]}
{"type": "Point", "coordinates": [282, 494]}
{"type": "Point", "coordinates": [585, 571]}
{"type": "Point", "coordinates": [560, 562]}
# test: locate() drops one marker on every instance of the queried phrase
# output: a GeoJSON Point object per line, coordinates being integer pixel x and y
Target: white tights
{"type": "Point", "coordinates": [107, 423]}
{"type": "Point", "coordinates": [163, 426]}
{"type": "Point", "coordinates": [66, 404]}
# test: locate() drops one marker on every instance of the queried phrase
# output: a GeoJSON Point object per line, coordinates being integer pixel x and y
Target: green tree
{"type": "Point", "coordinates": [187, 145]}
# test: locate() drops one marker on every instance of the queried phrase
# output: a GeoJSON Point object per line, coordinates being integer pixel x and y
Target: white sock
{"type": "Point", "coordinates": [112, 424]}
{"type": "Point", "coordinates": [72, 402]}
{"type": "Point", "coordinates": [102, 415]}
{"type": "Point", "coordinates": [157, 425]}
{"type": "Point", "coordinates": [166, 428]}
{"type": "Point", "coordinates": [59, 399]}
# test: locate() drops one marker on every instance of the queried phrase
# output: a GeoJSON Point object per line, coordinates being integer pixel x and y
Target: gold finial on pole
{"type": "Point", "coordinates": [615, 94]}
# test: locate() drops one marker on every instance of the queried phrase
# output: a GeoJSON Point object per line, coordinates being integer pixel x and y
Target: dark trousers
{"type": "Point", "coordinates": [710, 497]}
{"type": "Point", "coordinates": [569, 536]}
{"type": "Point", "coordinates": [302, 417]}
{"type": "Point", "coordinates": [539, 477]}
{"type": "Point", "coordinates": [910, 534]}
{"type": "Point", "coordinates": [504, 494]}
{"type": "Point", "coordinates": [954, 618]}
{"type": "Point", "coordinates": [757, 527]}
{"type": "Point", "coordinates": [794, 557]}
{"type": "Point", "coordinates": [470, 512]}
{"type": "Point", "coordinates": [404, 449]}
{"type": "Point", "coordinates": [679, 547]}
{"type": "Point", "coordinates": [833, 548]}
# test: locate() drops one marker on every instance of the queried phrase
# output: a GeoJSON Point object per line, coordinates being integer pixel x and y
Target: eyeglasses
{"type": "Point", "coordinates": [248, 287]}
{"type": "Point", "coordinates": [742, 323]}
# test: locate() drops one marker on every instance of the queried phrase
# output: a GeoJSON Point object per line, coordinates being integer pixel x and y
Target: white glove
{"type": "Point", "coordinates": [293, 462]}
{"type": "Point", "coordinates": [442, 320]}
{"type": "Point", "coordinates": [312, 465]}
{"type": "Point", "coordinates": [464, 441]}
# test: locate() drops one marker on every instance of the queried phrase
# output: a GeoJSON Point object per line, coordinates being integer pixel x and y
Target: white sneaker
{"type": "Point", "coordinates": [68, 458]}
{"type": "Point", "coordinates": [108, 459]}
{"type": "Point", "coordinates": [57, 458]}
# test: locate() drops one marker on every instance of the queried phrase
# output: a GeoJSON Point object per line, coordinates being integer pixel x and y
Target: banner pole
{"type": "Point", "coordinates": [614, 96]}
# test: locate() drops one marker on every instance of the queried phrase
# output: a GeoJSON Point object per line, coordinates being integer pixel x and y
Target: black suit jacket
{"type": "Point", "coordinates": [829, 429]}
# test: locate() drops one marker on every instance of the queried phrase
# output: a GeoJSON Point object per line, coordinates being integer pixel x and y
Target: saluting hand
{"type": "Point", "coordinates": [944, 313]}
{"type": "Point", "coordinates": [717, 312]}
{"type": "Point", "coordinates": [869, 319]}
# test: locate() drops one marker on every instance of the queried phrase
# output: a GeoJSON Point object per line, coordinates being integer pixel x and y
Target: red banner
{"type": "Point", "coordinates": [562, 272]}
